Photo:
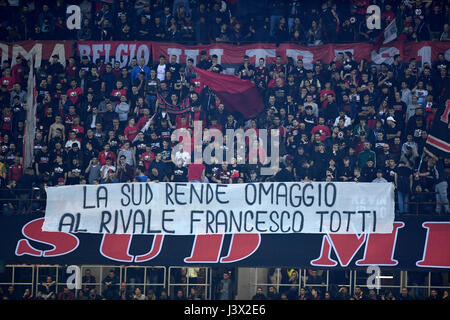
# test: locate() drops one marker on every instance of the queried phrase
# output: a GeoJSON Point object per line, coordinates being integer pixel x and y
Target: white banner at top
{"type": "Point", "coordinates": [200, 208]}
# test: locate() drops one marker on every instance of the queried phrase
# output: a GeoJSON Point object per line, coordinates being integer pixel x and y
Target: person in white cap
{"type": "Point", "coordinates": [392, 130]}
{"type": "Point", "coordinates": [390, 119]}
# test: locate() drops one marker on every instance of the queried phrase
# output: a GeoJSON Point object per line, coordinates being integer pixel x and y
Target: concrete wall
{"type": "Point", "coordinates": [247, 278]}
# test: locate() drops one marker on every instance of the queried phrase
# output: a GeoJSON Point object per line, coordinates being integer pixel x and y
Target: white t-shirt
{"type": "Point", "coordinates": [421, 95]}
{"type": "Point", "coordinates": [184, 156]}
{"type": "Point", "coordinates": [70, 142]}
{"type": "Point", "coordinates": [161, 72]}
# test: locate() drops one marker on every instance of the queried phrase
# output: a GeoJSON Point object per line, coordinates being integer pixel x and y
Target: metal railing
{"type": "Point", "coordinates": [143, 277]}
{"type": "Point", "coordinates": [391, 279]}
{"type": "Point", "coordinates": [302, 281]}
{"type": "Point", "coordinates": [422, 289]}
{"type": "Point", "coordinates": [179, 278]}
{"type": "Point", "coordinates": [388, 279]}
{"type": "Point", "coordinates": [11, 277]}
{"type": "Point", "coordinates": [31, 276]}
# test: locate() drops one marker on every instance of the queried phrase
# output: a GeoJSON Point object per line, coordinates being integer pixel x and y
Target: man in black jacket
{"type": "Point", "coordinates": [259, 295]}
{"type": "Point", "coordinates": [24, 186]}
{"type": "Point", "coordinates": [55, 67]}
{"type": "Point", "coordinates": [273, 294]}
{"type": "Point", "coordinates": [8, 197]}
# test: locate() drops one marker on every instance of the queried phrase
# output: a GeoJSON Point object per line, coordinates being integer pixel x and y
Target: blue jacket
{"type": "Point", "coordinates": [138, 69]}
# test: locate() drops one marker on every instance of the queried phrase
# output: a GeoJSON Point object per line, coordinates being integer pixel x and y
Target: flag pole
{"type": "Point", "coordinates": [421, 159]}
{"type": "Point", "coordinates": [30, 122]}
{"type": "Point", "coordinates": [208, 107]}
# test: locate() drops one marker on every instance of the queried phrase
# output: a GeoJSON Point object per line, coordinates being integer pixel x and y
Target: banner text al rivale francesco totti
{"type": "Point", "coordinates": [200, 208]}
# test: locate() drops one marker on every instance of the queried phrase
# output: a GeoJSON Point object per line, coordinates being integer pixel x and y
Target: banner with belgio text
{"type": "Point", "coordinates": [208, 209]}
{"type": "Point", "coordinates": [230, 56]}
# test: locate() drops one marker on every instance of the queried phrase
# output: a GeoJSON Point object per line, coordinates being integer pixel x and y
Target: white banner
{"type": "Point", "coordinates": [200, 208]}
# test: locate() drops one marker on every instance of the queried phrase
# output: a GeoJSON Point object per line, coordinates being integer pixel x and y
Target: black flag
{"type": "Point", "coordinates": [438, 141]}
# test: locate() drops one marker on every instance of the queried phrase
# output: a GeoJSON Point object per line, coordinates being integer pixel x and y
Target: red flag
{"type": "Point", "coordinates": [235, 94]}
{"type": "Point", "coordinates": [438, 141]}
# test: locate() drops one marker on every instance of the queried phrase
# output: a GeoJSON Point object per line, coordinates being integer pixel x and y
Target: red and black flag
{"type": "Point", "coordinates": [237, 95]}
{"type": "Point", "coordinates": [180, 108]}
{"type": "Point", "coordinates": [438, 141]}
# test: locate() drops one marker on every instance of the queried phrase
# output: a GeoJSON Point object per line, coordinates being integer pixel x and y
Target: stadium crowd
{"type": "Point", "coordinates": [123, 293]}
{"type": "Point", "coordinates": [345, 121]}
{"type": "Point", "coordinates": [305, 294]}
{"type": "Point", "coordinates": [348, 120]}
{"type": "Point", "coordinates": [286, 284]}
{"type": "Point", "coordinates": [234, 21]}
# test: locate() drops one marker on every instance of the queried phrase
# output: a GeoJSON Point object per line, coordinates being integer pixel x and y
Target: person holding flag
{"type": "Point", "coordinates": [441, 185]}
{"type": "Point", "coordinates": [391, 32]}
{"type": "Point", "coordinates": [438, 148]}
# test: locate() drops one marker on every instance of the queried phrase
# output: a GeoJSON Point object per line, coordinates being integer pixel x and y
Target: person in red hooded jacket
{"type": "Point", "coordinates": [74, 93]}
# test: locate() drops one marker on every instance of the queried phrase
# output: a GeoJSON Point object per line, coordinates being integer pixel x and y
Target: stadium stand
{"type": "Point", "coordinates": [99, 123]}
